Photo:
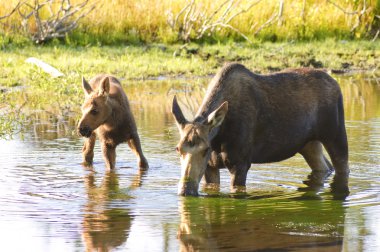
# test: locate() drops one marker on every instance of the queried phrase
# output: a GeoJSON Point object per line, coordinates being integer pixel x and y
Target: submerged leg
{"type": "Point", "coordinates": [212, 174]}
{"type": "Point", "coordinates": [338, 152]}
{"type": "Point", "coordinates": [134, 144]}
{"type": "Point", "coordinates": [320, 166]}
{"type": "Point", "coordinates": [238, 177]}
{"type": "Point", "coordinates": [109, 155]}
{"type": "Point", "coordinates": [88, 150]}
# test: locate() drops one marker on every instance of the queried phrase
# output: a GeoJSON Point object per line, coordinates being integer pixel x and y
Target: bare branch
{"type": "Point", "coordinates": [340, 8]}
{"type": "Point", "coordinates": [193, 21]}
{"type": "Point", "coordinates": [61, 20]}
{"type": "Point", "coordinates": [376, 35]}
{"type": "Point", "coordinates": [243, 11]}
{"type": "Point", "coordinates": [13, 10]}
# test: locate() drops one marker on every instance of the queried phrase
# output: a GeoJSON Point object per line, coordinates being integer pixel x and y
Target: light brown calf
{"type": "Point", "coordinates": [106, 115]}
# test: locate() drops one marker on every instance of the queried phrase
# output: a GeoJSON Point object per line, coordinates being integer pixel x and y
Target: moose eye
{"type": "Point", "coordinates": [93, 111]}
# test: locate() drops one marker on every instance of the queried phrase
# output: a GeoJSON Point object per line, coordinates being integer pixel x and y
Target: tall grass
{"type": "Point", "coordinates": [115, 21]}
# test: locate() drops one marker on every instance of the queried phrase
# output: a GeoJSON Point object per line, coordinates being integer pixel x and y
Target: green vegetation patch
{"type": "Point", "coordinates": [26, 88]}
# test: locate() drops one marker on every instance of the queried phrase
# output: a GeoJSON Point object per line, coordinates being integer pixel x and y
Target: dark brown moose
{"type": "Point", "coordinates": [107, 115]}
{"type": "Point", "coordinates": [249, 118]}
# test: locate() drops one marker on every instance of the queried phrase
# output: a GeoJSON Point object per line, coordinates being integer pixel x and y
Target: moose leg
{"type": "Point", "coordinates": [338, 152]}
{"type": "Point", "coordinates": [88, 150]}
{"type": "Point", "coordinates": [320, 166]}
{"type": "Point", "coordinates": [134, 144]}
{"type": "Point", "coordinates": [109, 155]}
{"type": "Point", "coordinates": [238, 177]}
{"type": "Point", "coordinates": [212, 174]}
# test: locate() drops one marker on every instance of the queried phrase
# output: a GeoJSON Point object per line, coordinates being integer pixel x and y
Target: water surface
{"type": "Point", "coordinates": [49, 202]}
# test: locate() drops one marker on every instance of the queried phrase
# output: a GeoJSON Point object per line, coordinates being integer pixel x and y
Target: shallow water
{"type": "Point", "coordinates": [49, 202]}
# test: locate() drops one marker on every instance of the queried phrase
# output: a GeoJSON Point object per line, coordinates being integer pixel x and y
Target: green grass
{"type": "Point", "coordinates": [24, 84]}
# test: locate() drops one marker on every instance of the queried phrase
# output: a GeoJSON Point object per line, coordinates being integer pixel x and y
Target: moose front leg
{"type": "Point", "coordinates": [238, 177]}
{"type": "Point", "coordinates": [88, 150]}
{"type": "Point", "coordinates": [134, 144]}
{"type": "Point", "coordinates": [109, 155]}
{"type": "Point", "coordinates": [212, 174]}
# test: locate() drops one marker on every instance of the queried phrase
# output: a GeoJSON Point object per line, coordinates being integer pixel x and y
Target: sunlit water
{"type": "Point", "coordinates": [49, 202]}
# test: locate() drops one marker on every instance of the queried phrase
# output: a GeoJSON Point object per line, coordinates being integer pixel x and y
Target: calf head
{"type": "Point", "coordinates": [194, 146]}
{"type": "Point", "coordinates": [96, 108]}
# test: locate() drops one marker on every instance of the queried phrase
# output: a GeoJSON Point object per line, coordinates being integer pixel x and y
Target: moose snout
{"type": "Point", "coordinates": [188, 188]}
{"type": "Point", "coordinates": [85, 131]}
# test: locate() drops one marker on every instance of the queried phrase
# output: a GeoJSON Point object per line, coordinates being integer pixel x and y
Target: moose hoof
{"type": "Point", "coordinates": [143, 165]}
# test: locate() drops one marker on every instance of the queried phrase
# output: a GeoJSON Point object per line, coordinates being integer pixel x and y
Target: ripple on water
{"type": "Point", "coordinates": [46, 194]}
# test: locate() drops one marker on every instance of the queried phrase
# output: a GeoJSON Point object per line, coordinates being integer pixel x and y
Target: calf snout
{"type": "Point", "coordinates": [85, 131]}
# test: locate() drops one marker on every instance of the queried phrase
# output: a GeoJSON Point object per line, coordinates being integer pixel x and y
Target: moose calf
{"type": "Point", "coordinates": [106, 114]}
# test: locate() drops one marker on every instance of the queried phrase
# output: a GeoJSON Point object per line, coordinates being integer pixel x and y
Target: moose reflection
{"type": "Point", "coordinates": [106, 227]}
{"type": "Point", "coordinates": [261, 224]}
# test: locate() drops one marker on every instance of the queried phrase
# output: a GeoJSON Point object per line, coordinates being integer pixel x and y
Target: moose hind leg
{"type": "Point", "coordinates": [135, 145]}
{"type": "Point", "coordinates": [319, 164]}
{"type": "Point", "coordinates": [338, 152]}
{"type": "Point", "coordinates": [88, 150]}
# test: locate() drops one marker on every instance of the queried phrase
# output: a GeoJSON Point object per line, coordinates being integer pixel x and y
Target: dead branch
{"type": "Point", "coordinates": [192, 22]}
{"type": "Point", "coordinates": [359, 14]}
{"type": "Point", "coordinates": [275, 17]}
{"type": "Point", "coordinates": [342, 9]}
{"type": "Point", "coordinates": [63, 17]}
{"type": "Point", "coordinates": [13, 10]}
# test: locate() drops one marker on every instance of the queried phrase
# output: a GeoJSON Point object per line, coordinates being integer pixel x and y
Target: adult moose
{"type": "Point", "coordinates": [249, 118]}
{"type": "Point", "coordinates": [106, 114]}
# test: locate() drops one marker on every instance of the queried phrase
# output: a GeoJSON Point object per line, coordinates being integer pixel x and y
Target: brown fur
{"type": "Point", "coordinates": [107, 115]}
{"type": "Point", "coordinates": [263, 118]}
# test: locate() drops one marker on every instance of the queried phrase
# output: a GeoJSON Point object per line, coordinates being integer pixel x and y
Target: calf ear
{"type": "Point", "coordinates": [86, 87]}
{"type": "Point", "coordinates": [104, 87]}
{"type": "Point", "coordinates": [178, 116]}
{"type": "Point", "coordinates": [216, 118]}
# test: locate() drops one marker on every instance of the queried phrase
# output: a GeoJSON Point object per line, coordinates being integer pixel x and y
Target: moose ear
{"type": "Point", "coordinates": [216, 118]}
{"type": "Point", "coordinates": [86, 87]}
{"type": "Point", "coordinates": [178, 116]}
{"type": "Point", "coordinates": [104, 87]}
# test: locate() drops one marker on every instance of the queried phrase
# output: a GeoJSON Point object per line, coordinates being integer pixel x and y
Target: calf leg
{"type": "Point", "coordinates": [88, 150]}
{"type": "Point", "coordinates": [109, 155]}
{"type": "Point", "coordinates": [134, 144]}
{"type": "Point", "coordinates": [320, 166]}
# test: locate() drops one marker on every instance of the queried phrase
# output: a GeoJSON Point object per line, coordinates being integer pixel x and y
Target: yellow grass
{"type": "Point", "coordinates": [147, 19]}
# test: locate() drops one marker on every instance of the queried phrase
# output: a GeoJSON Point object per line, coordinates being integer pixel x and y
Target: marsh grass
{"type": "Point", "coordinates": [131, 63]}
{"type": "Point", "coordinates": [26, 90]}
{"type": "Point", "coordinates": [118, 21]}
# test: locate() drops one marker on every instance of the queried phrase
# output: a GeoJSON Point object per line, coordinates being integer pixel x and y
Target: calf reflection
{"type": "Point", "coordinates": [106, 227]}
{"type": "Point", "coordinates": [270, 223]}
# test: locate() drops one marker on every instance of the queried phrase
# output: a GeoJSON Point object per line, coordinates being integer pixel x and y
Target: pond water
{"type": "Point", "coordinates": [49, 202]}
